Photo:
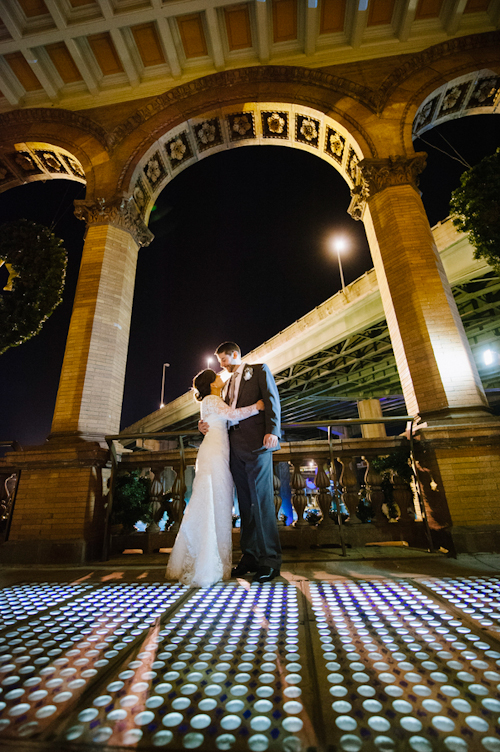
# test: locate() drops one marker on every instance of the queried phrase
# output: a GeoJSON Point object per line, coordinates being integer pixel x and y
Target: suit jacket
{"type": "Point", "coordinates": [257, 382]}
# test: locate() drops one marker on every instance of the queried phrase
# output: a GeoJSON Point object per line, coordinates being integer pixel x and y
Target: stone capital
{"type": "Point", "coordinates": [120, 212]}
{"type": "Point", "coordinates": [377, 174]}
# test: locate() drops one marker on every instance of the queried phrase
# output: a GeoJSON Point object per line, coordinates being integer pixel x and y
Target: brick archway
{"type": "Point", "coordinates": [256, 124]}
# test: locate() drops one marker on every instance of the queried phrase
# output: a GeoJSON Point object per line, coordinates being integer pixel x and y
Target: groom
{"type": "Point", "coordinates": [252, 443]}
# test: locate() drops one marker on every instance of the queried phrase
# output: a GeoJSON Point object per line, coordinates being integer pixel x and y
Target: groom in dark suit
{"type": "Point", "coordinates": [252, 443]}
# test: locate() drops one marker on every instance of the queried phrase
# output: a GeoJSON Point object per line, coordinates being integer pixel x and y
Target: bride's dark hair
{"type": "Point", "coordinates": [202, 382]}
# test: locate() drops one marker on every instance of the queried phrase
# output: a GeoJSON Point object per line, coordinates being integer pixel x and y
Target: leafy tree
{"type": "Point", "coordinates": [131, 500]}
{"type": "Point", "coordinates": [36, 261]}
{"type": "Point", "coordinates": [475, 208]}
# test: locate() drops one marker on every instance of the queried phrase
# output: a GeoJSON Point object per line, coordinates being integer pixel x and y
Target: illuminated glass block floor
{"type": "Point", "coordinates": [363, 665]}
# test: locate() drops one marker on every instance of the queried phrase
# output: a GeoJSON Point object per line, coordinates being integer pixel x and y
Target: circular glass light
{"type": "Point", "coordinates": [409, 723]}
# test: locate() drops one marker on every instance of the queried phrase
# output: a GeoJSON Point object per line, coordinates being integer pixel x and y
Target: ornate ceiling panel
{"type": "Point", "coordinates": [237, 22]}
{"type": "Point", "coordinates": [81, 54]}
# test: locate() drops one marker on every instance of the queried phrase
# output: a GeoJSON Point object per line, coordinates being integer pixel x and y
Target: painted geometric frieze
{"type": "Point", "coordinates": [352, 165]}
{"type": "Point", "coordinates": [453, 99]}
{"type": "Point", "coordinates": [476, 92]}
{"type": "Point", "coordinates": [6, 174]}
{"type": "Point", "coordinates": [155, 170]}
{"type": "Point", "coordinates": [178, 150]}
{"type": "Point", "coordinates": [208, 134]}
{"type": "Point", "coordinates": [35, 161]}
{"type": "Point", "coordinates": [275, 124]}
{"type": "Point", "coordinates": [73, 165]}
{"type": "Point", "coordinates": [334, 144]}
{"type": "Point", "coordinates": [307, 130]}
{"type": "Point", "coordinates": [141, 195]}
{"type": "Point", "coordinates": [241, 125]}
{"type": "Point", "coordinates": [485, 93]}
{"type": "Point", "coordinates": [425, 115]}
{"type": "Point", "coordinates": [50, 160]}
{"type": "Point", "coordinates": [27, 162]}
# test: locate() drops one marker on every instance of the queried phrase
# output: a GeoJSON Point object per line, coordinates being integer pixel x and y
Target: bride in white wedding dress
{"type": "Point", "coordinates": [202, 553]}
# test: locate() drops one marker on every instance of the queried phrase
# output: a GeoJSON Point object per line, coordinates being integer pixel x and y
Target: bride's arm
{"type": "Point", "coordinates": [237, 413]}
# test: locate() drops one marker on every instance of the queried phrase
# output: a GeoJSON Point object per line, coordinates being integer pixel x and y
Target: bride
{"type": "Point", "coordinates": [202, 553]}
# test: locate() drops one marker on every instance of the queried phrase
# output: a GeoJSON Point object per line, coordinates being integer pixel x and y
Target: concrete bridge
{"type": "Point", "coordinates": [340, 353]}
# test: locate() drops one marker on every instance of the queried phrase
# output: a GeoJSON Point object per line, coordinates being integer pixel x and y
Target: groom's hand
{"type": "Point", "coordinates": [270, 441]}
{"type": "Point", "coordinates": [203, 427]}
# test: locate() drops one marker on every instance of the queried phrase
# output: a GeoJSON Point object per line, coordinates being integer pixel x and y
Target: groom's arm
{"type": "Point", "coordinates": [272, 413]}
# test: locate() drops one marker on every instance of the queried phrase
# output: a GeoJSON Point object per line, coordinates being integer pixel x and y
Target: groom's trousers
{"type": "Point", "coordinates": [253, 477]}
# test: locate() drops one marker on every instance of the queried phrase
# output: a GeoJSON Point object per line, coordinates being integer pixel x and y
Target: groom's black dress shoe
{"type": "Point", "coordinates": [243, 568]}
{"type": "Point", "coordinates": [265, 574]}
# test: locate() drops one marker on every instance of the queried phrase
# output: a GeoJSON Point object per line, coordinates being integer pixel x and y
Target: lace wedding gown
{"type": "Point", "coordinates": [202, 553]}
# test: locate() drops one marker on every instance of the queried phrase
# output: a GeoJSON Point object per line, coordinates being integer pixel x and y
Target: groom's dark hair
{"type": "Point", "coordinates": [228, 348]}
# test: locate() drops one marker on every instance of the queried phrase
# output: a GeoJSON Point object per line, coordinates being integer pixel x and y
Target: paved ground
{"type": "Point", "coordinates": [385, 650]}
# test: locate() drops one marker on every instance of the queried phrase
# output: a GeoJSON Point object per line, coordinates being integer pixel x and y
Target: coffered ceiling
{"type": "Point", "coordinates": [85, 53]}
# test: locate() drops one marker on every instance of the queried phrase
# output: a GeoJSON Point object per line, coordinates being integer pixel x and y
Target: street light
{"type": "Point", "coordinates": [165, 365]}
{"type": "Point", "coordinates": [339, 244]}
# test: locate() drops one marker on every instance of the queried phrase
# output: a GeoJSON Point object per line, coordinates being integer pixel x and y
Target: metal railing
{"type": "Point", "coordinates": [333, 449]}
{"type": "Point", "coordinates": [8, 498]}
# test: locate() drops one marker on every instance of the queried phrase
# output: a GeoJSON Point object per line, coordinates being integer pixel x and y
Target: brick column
{"type": "Point", "coordinates": [437, 371]}
{"type": "Point", "coordinates": [59, 509]}
{"type": "Point", "coordinates": [89, 398]}
{"type": "Point", "coordinates": [458, 441]}
{"type": "Point", "coordinates": [371, 408]}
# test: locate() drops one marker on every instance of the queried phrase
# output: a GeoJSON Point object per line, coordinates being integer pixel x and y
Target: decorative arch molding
{"type": "Point", "coordinates": [248, 124]}
{"type": "Point", "coordinates": [37, 160]}
{"type": "Point", "coordinates": [220, 89]}
{"type": "Point", "coordinates": [39, 115]}
{"type": "Point", "coordinates": [458, 46]}
{"type": "Point", "coordinates": [475, 93]}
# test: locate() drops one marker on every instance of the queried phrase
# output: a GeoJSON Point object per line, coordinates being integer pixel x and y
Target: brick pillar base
{"type": "Point", "coordinates": [59, 508]}
{"type": "Point", "coordinates": [459, 473]}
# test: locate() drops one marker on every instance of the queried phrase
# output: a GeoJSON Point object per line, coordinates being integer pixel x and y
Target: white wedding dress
{"type": "Point", "coordinates": [202, 553]}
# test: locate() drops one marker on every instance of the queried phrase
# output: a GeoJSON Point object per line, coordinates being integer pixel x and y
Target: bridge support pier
{"type": "Point", "coordinates": [59, 508]}
{"type": "Point", "coordinates": [459, 439]}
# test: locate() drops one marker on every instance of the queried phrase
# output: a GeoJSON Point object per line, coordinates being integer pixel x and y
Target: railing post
{"type": "Point", "coordinates": [349, 486]}
{"type": "Point", "coordinates": [178, 503]}
{"type": "Point", "coordinates": [322, 482]}
{"type": "Point", "coordinates": [277, 496]}
{"type": "Point", "coordinates": [373, 481]}
{"type": "Point", "coordinates": [106, 535]}
{"type": "Point", "coordinates": [402, 496]}
{"type": "Point", "coordinates": [155, 501]}
{"type": "Point", "coordinates": [299, 498]}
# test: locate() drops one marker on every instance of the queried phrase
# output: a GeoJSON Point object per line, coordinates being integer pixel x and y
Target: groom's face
{"type": "Point", "coordinates": [229, 361]}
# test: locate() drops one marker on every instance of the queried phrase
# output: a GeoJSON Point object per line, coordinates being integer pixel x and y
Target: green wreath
{"type": "Point", "coordinates": [36, 261]}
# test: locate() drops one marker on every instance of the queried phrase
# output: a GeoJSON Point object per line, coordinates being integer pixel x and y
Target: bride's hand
{"type": "Point", "coordinates": [260, 405]}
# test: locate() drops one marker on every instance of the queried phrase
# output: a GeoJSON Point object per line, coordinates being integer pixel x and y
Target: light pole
{"type": "Point", "coordinates": [340, 244]}
{"type": "Point", "coordinates": [165, 365]}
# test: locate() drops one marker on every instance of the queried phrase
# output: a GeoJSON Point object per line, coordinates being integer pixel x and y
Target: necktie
{"type": "Point", "coordinates": [230, 389]}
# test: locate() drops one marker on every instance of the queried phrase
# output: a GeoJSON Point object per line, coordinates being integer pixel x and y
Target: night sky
{"type": "Point", "coordinates": [240, 252]}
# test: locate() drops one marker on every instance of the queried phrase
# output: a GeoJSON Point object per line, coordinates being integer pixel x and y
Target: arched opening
{"type": "Point", "coordinates": [240, 251]}
{"type": "Point", "coordinates": [247, 124]}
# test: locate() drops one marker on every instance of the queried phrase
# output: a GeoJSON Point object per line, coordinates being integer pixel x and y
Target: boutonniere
{"type": "Point", "coordinates": [247, 372]}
